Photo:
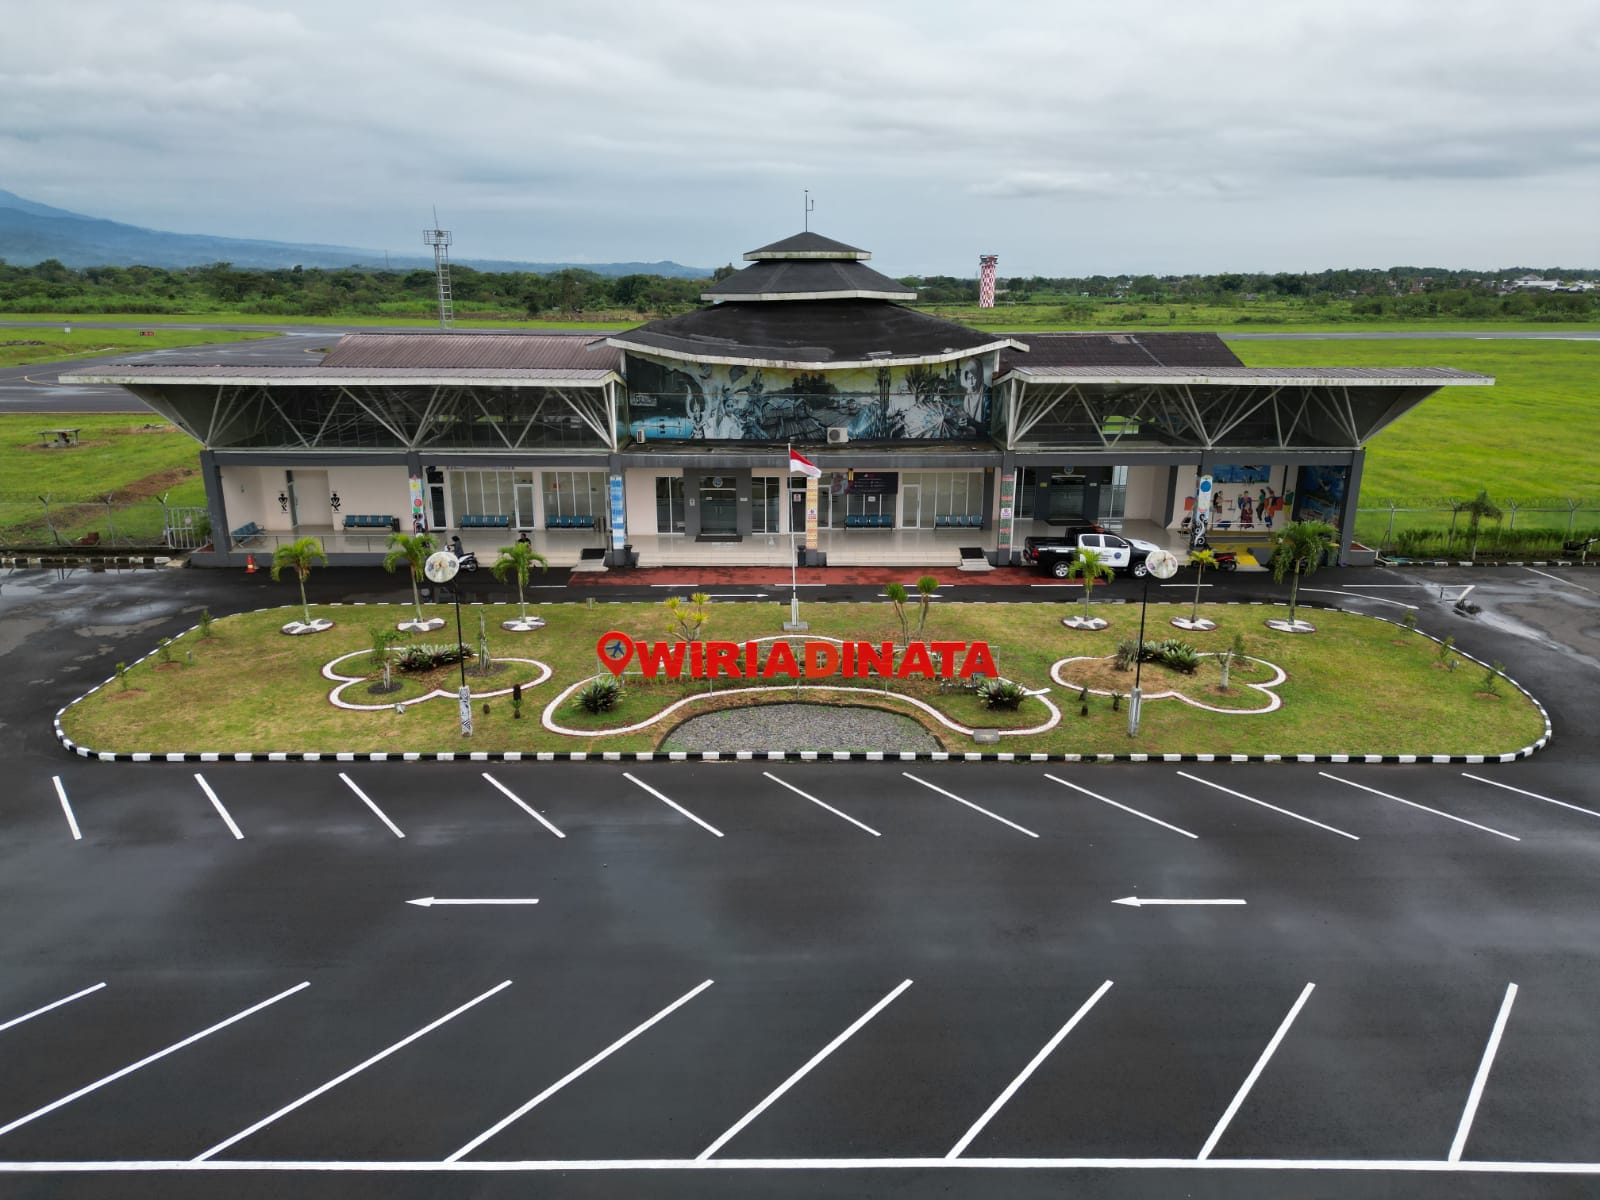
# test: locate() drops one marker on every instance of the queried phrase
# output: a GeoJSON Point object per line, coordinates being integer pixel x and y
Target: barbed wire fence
{"type": "Point", "coordinates": [55, 520]}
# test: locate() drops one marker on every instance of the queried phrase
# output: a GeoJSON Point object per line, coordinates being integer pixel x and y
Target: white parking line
{"type": "Point", "coordinates": [1436, 812]}
{"type": "Point", "coordinates": [517, 800]}
{"type": "Point", "coordinates": [1482, 1077]}
{"type": "Point", "coordinates": [969, 804]}
{"type": "Point", "coordinates": [217, 804]}
{"type": "Point", "coordinates": [555, 1087]}
{"type": "Point", "coordinates": [367, 800]}
{"type": "Point", "coordinates": [72, 821]}
{"type": "Point", "coordinates": [355, 1070]}
{"type": "Point", "coordinates": [1547, 799]}
{"type": "Point", "coordinates": [1011, 1088]}
{"type": "Point", "coordinates": [671, 804]}
{"type": "Point", "coordinates": [821, 804]}
{"type": "Point", "coordinates": [1558, 579]}
{"type": "Point", "coordinates": [1273, 807]}
{"type": "Point", "coordinates": [1123, 807]}
{"type": "Point", "coordinates": [148, 1059]}
{"type": "Point", "coordinates": [1255, 1073]}
{"type": "Point", "coordinates": [801, 1073]}
{"type": "Point", "coordinates": [53, 1004]}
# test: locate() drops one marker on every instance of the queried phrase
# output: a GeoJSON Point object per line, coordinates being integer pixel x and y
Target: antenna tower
{"type": "Point", "coordinates": [439, 239]}
{"type": "Point", "coordinates": [986, 268]}
{"type": "Point", "coordinates": [810, 208]}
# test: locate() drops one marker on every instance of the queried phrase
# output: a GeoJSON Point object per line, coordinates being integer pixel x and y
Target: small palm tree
{"type": "Point", "coordinates": [383, 641]}
{"type": "Point", "coordinates": [926, 587]}
{"type": "Point", "coordinates": [1091, 568]}
{"type": "Point", "coordinates": [1298, 549]}
{"type": "Point", "coordinates": [897, 596]}
{"type": "Point", "coordinates": [301, 556]}
{"type": "Point", "coordinates": [517, 561]}
{"type": "Point", "coordinates": [1199, 560]}
{"type": "Point", "coordinates": [1479, 508]}
{"type": "Point", "coordinates": [413, 550]}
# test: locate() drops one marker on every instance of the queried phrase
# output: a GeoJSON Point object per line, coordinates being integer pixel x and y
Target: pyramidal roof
{"type": "Point", "coordinates": [807, 266]}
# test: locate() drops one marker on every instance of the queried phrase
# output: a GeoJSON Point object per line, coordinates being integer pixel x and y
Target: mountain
{"type": "Point", "coordinates": [31, 232]}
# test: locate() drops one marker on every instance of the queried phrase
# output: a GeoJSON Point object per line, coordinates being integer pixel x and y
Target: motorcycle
{"type": "Point", "coordinates": [466, 560]}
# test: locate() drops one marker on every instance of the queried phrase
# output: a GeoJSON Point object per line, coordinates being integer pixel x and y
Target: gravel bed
{"type": "Point", "coordinates": [821, 727]}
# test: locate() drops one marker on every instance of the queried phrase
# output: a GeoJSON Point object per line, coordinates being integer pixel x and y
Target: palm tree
{"type": "Point", "coordinates": [412, 549]}
{"type": "Point", "coordinates": [516, 561]}
{"type": "Point", "coordinates": [1091, 568]}
{"type": "Point", "coordinates": [383, 641]}
{"type": "Point", "coordinates": [897, 596]}
{"type": "Point", "coordinates": [926, 587]}
{"type": "Point", "coordinates": [1298, 548]}
{"type": "Point", "coordinates": [1199, 560]}
{"type": "Point", "coordinates": [299, 555]}
{"type": "Point", "coordinates": [1480, 507]}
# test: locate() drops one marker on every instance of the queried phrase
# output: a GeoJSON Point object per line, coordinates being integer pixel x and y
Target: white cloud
{"type": "Point", "coordinates": [1074, 135]}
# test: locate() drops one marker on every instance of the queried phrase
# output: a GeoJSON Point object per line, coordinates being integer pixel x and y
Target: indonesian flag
{"type": "Point", "coordinates": [799, 465]}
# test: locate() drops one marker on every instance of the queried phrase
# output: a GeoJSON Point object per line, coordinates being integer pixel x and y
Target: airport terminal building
{"type": "Point", "coordinates": [667, 445]}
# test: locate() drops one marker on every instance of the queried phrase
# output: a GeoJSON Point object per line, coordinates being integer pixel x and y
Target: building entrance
{"type": "Point", "coordinates": [719, 507]}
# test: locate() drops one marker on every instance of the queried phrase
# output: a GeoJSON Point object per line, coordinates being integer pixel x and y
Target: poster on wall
{"type": "Point", "coordinates": [419, 520]}
{"type": "Point", "coordinates": [680, 401]}
{"type": "Point", "coordinates": [619, 524]}
{"type": "Point", "coordinates": [1320, 495]}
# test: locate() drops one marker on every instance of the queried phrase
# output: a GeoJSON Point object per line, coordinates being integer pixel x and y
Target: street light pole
{"type": "Point", "coordinates": [1163, 564]}
{"type": "Point", "coordinates": [442, 567]}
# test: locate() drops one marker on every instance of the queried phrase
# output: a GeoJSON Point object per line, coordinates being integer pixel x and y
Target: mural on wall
{"type": "Point", "coordinates": [1320, 495]}
{"type": "Point", "coordinates": [717, 402]}
{"type": "Point", "coordinates": [1234, 473]}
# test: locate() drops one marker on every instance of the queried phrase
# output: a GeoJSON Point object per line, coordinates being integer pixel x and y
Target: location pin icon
{"type": "Point", "coordinates": [615, 649]}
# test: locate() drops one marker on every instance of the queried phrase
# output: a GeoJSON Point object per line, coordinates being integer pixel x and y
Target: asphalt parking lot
{"type": "Point", "coordinates": [797, 979]}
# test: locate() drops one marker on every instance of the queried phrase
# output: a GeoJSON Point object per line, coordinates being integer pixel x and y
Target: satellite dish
{"type": "Point", "coordinates": [441, 566]}
{"type": "Point", "coordinates": [1163, 564]}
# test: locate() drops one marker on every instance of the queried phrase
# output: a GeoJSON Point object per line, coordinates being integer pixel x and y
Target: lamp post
{"type": "Point", "coordinates": [1163, 564]}
{"type": "Point", "coordinates": [442, 567]}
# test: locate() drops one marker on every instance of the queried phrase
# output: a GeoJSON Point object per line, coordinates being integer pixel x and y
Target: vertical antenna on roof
{"type": "Point", "coordinates": [439, 239]}
{"type": "Point", "coordinates": [810, 204]}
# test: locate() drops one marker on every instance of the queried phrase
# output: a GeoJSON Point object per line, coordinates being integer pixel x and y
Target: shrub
{"type": "Point", "coordinates": [1181, 657]}
{"type": "Point", "coordinates": [424, 656]}
{"type": "Point", "coordinates": [1127, 654]}
{"type": "Point", "coordinates": [1410, 621]}
{"type": "Point", "coordinates": [600, 694]}
{"type": "Point", "coordinates": [1492, 676]}
{"type": "Point", "coordinates": [205, 623]}
{"type": "Point", "coordinates": [1001, 693]}
{"type": "Point", "coordinates": [1445, 647]}
{"type": "Point", "coordinates": [164, 650]}
{"type": "Point", "coordinates": [122, 675]}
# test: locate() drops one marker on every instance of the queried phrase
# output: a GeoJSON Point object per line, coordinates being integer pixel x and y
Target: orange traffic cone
{"type": "Point", "coordinates": [250, 564]}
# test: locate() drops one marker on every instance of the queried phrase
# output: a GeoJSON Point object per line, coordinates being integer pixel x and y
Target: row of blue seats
{"type": "Point", "coordinates": [485, 521]}
{"type": "Point", "coordinates": [371, 521]}
{"type": "Point", "coordinates": [869, 521]}
{"type": "Point", "coordinates": [572, 521]}
{"type": "Point", "coordinates": [958, 521]}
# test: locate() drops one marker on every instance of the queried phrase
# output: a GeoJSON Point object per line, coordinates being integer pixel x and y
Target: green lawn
{"type": "Point", "coordinates": [25, 345]}
{"type": "Point", "coordinates": [135, 458]}
{"type": "Point", "coordinates": [1357, 686]}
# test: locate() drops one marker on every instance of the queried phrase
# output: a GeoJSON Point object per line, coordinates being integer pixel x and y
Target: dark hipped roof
{"type": "Point", "coordinates": [808, 279]}
{"type": "Point", "coordinates": [1119, 350]}
{"type": "Point", "coordinates": [807, 245]}
{"type": "Point", "coordinates": [493, 351]}
{"type": "Point", "coordinates": [814, 333]}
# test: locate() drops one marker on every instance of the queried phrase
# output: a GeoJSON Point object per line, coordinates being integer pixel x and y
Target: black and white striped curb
{"type": "Point", "coordinates": [1450, 562]}
{"type": "Point", "coordinates": [645, 756]}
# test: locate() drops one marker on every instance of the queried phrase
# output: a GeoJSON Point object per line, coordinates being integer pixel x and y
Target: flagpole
{"type": "Point", "coordinates": [794, 557]}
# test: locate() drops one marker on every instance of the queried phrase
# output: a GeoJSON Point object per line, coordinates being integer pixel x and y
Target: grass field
{"type": "Point", "coordinates": [25, 345]}
{"type": "Point", "coordinates": [133, 457]}
{"type": "Point", "coordinates": [1357, 686]}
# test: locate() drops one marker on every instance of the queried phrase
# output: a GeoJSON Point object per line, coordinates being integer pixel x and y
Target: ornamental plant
{"type": "Point", "coordinates": [413, 550]}
{"type": "Point", "coordinates": [300, 556]}
{"type": "Point", "coordinates": [516, 562]}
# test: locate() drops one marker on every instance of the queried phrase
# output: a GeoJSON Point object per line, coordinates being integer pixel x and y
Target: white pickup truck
{"type": "Point", "coordinates": [1055, 554]}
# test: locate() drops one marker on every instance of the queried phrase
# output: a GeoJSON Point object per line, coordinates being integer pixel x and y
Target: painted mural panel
{"type": "Point", "coordinates": [673, 400]}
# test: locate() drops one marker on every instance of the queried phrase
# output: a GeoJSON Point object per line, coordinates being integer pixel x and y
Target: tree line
{"type": "Point", "coordinates": [574, 292]}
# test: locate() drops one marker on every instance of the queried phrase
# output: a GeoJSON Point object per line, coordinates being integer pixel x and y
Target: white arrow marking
{"type": "Point", "coordinates": [430, 901]}
{"type": "Point", "coordinates": [1135, 902]}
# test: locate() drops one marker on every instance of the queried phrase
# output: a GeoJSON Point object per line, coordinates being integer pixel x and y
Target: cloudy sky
{"type": "Point", "coordinates": [1067, 137]}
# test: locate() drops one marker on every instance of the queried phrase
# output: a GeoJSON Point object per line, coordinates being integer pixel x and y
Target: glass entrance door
{"type": "Point", "coordinates": [911, 505]}
{"type": "Point", "coordinates": [669, 504]}
{"type": "Point", "coordinates": [525, 494]}
{"type": "Point", "coordinates": [1066, 498]}
{"type": "Point", "coordinates": [719, 507]}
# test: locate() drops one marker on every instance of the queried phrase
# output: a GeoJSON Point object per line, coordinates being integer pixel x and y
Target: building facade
{"type": "Point", "coordinates": [668, 444]}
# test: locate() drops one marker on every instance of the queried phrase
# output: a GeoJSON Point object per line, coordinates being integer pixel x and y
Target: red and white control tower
{"type": "Point", "coordinates": [986, 267]}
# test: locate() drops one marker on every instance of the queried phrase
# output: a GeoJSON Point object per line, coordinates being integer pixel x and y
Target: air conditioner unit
{"type": "Point", "coordinates": [838, 434]}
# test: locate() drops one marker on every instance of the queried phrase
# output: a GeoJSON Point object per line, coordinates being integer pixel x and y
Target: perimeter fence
{"type": "Point", "coordinates": [1544, 527]}
{"type": "Point", "coordinates": [104, 520]}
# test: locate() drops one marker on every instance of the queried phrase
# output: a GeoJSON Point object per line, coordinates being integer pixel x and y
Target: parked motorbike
{"type": "Point", "coordinates": [466, 560]}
